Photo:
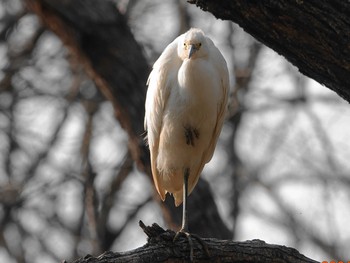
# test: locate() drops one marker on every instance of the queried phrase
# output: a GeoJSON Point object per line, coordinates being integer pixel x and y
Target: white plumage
{"type": "Point", "coordinates": [185, 108]}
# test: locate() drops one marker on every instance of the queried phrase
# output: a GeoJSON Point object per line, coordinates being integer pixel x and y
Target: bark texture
{"type": "Point", "coordinates": [161, 248]}
{"type": "Point", "coordinates": [313, 35]}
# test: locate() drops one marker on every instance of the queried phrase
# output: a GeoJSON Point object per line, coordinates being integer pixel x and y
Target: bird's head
{"type": "Point", "coordinates": [193, 44]}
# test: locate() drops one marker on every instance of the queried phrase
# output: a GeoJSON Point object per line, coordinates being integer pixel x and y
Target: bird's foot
{"type": "Point", "coordinates": [189, 237]}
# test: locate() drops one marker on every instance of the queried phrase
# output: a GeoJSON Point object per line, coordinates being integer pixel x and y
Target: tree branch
{"type": "Point", "coordinates": [161, 248]}
{"type": "Point", "coordinates": [313, 35]}
{"type": "Point", "coordinates": [97, 34]}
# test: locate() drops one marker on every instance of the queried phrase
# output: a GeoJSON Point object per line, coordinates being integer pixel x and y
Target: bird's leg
{"type": "Point", "coordinates": [184, 227]}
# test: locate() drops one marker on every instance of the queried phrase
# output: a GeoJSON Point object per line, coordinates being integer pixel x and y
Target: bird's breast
{"type": "Point", "coordinates": [198, 83]}
{"type": "Point", "coordinates": [194, 100]}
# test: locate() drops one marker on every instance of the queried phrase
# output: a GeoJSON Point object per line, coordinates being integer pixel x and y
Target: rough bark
{"type": "Point", "coordinates": [313, 35]}
{"type": "Point", "coordinates": [161, 248]}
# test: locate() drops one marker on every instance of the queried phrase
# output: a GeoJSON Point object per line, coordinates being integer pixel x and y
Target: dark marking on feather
{"type": "Point", "coordinates": [190, 135]}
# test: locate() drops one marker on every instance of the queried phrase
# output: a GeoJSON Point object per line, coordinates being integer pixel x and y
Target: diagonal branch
{"type": "Point", "coordinates": [312, 35]}
{"type": "Point", "coordinates": [97, 34]}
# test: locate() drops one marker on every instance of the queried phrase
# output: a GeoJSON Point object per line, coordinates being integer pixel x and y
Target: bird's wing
{"type": "Point", "coordinates": [159, 82]}
{"type": "Point", "coordinates": [221, 68]}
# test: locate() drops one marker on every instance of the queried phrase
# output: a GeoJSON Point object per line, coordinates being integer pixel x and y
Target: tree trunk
{"type": "Point", "coordinates": [314, 35]}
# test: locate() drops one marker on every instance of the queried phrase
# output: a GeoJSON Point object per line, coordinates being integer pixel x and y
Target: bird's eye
{"type": "Point", "coordinates": [200, 44]}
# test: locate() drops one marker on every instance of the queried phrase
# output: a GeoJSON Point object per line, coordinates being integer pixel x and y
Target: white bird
{"type": "Point", "coordinates": [185, 108]}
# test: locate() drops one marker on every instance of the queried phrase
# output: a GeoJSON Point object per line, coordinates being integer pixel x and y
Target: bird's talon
{"type": "Point", "coordinates": [203, 244]}
{"type": "Point", "coordinates": [190, 242]}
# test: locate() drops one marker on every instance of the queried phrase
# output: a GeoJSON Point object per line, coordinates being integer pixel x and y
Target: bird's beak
{"type": "Point", "coordinates": [192, 50]}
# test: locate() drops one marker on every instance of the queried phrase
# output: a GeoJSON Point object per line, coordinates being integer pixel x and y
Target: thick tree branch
{"type": "Point", "coordinates": [161, 248]}
{"type": "Point", "coordinates": [313, 35]}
